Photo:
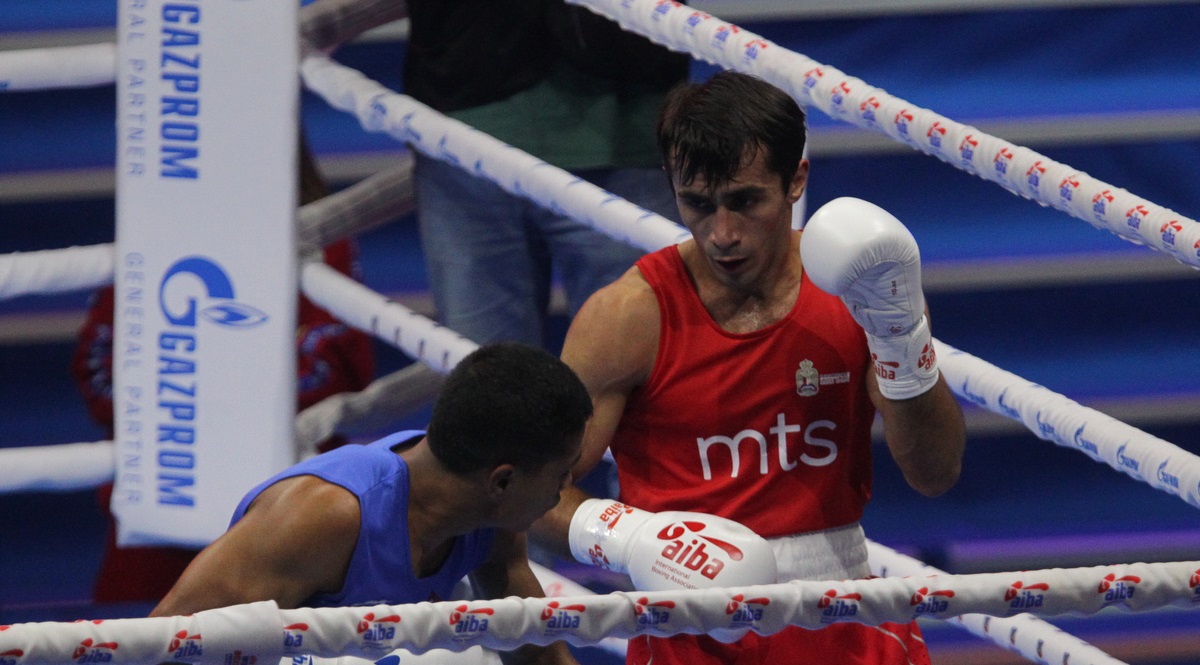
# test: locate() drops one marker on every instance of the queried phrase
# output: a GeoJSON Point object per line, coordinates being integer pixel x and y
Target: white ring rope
{"type": "Point", "coordinates": [263, 631]}
{"type": "Point", "coordinates": [1032, 637]}
{"type": "Point", "coordinates": [1017, 169]}
{"type": "Point", "coordinates": [67, 467]}
{"type": "Point", "coordinates": [58, 67]}
{"type": "Point", "coordinates": [367, 204]}
{"type": "Point", "coordinates": [1057, 419]}
{"type": "Point", "coordinates": [53, 271]}
{"type": "Point", "coordinates": [407, 120]}
{"type": "Point", "coordinates": [359, 307]}
{"type": "Point", "coordinates": [1045, 413]}
{"type": "Point", "coordinates": [323, 24]}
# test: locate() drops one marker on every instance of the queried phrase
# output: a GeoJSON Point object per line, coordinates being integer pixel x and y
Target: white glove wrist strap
{"type": "Point", "coordinates": [600, 533]}
{"type": "Point", "coordinates": [905, 365]}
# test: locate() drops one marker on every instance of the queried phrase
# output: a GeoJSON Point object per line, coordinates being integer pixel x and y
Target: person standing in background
{"type": "Point", "coordinates": [565, 85]}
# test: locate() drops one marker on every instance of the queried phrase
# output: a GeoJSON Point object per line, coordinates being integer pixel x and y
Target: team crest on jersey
{"type": "Point", "coordinates": [809, 380]}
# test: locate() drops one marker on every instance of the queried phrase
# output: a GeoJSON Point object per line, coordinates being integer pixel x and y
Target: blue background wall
{"type": "Point", "coordinates": [1111, 90]}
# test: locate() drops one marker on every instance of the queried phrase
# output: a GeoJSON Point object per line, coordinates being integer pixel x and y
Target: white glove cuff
{"type": "Point", "coordinates": [599, 533]}
{"type": "Point", "coordinates": [905, 365]}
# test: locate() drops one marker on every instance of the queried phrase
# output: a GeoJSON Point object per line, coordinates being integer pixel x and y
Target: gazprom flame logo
{"type": "Point", "coordinates": [198, 286]}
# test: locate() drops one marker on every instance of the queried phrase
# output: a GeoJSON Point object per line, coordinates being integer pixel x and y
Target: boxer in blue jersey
{"type": "Point", "coordinates": [403, 519]}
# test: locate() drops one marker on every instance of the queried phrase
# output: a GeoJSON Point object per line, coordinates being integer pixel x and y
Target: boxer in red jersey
{"type": "Point", "coordinates": [726, 382]}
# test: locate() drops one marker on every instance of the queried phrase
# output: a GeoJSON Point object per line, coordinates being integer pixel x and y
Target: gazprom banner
{"type": "Point", "coordinates": [204, 351]}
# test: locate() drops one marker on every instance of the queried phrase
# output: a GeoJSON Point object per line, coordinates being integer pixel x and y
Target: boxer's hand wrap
{"type": "Point", "coordinates": [671, 550]}
{"type": "Point", "coordinates": [860, 252]}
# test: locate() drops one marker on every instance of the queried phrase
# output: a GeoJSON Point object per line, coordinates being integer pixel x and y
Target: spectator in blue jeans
{"type": "Point", "coordinates": [564, 85]}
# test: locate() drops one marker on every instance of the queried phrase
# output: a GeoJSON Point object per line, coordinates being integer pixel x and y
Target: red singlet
{"type": "Point", "coordinates": [771, 429]}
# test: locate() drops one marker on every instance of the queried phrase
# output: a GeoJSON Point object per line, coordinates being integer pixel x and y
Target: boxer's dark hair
{"type": "Point", "coordinates": [713, 128]}
{"type": "Point", "coordinates": [508, 403]}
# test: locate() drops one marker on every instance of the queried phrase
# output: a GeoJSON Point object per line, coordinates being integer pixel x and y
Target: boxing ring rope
{"type": "Point", "coordinates": [1015, 168]}
{"type": "Point", "coordinates": [1045, 413]}
{"type": "Point", "coordinates": [263, 631]}
{"type": "Point", "coordinates": [1026, 634]}
{"type": "Point", "coordinates": [440, 348]}
{"type": "Point", "coordinates": [1018, 169]}
{"type": "Point", "coordinates": [369, 203]}
{"type": "Point", "coordinates": [55, 67]}
{"type": "Point", "coordinates": [426, 340]}
{"type": "Point", "coordinates": [361, 207]}
{"type": "Point", "coordinates": [54, 271]}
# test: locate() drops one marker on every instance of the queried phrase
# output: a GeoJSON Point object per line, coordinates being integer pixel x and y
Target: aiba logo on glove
{"type": "Point", "coordinates": [695, 555]}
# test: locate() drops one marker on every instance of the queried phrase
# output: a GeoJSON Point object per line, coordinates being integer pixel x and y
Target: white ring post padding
{"type": "Point", "coordinates": [1060, 420]}
{"type": "Point", "coordinates": [58, 67]}
{"type": "Point", "coordinates": [52, 271]}
{"type": "Point", "coordinates": [360, 307]}
{"type": "Point", "coordinates": [59, 468]}
{"type": "Point", "coordinates": [1026, 634]}
{"type": "Point", "coordinates": [584, 620]}
{"type": "Point", "coordinates": [403, 118]}
{"type": "Point", "coordinates": [1019, 170]}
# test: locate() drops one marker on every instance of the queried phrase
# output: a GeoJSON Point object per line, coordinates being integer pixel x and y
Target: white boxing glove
{"type": "Point", "coordinates": [670, 550]}
{"type": "Point", "coordinates": [860, 252]}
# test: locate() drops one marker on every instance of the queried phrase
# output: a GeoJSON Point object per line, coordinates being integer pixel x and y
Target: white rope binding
{"type": "Point", "coordinates": [1032, 637]}
{"type": "Point", "coordinates": [1017, 169]}
{"type": "Point", "coordinates": [58, 67]}
{"type": "Point", "coordinates": [261, 632]}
